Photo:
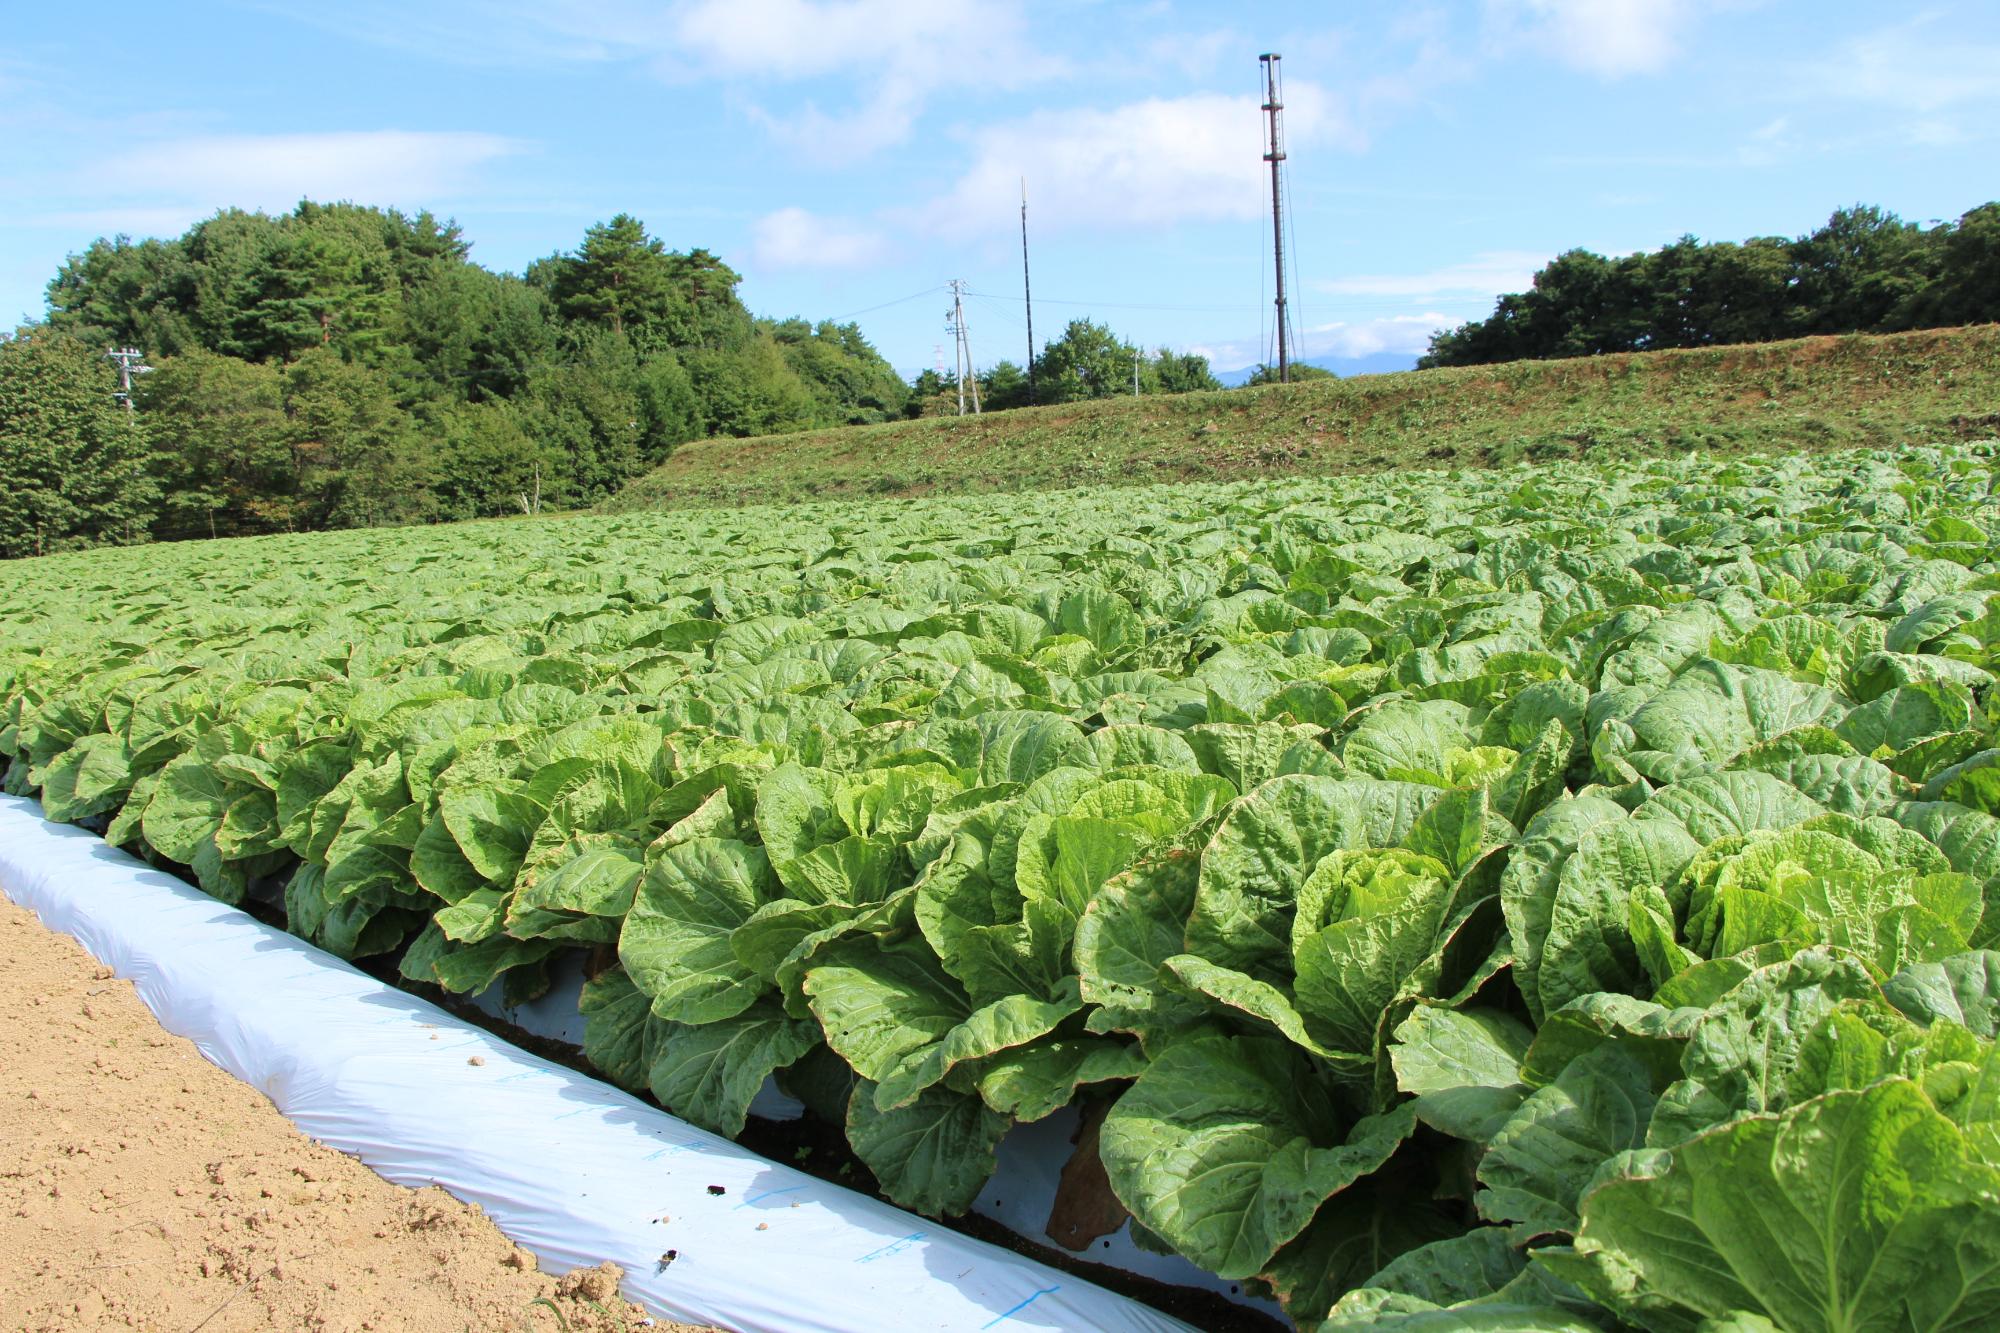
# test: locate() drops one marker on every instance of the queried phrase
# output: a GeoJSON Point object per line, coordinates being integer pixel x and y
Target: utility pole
{"type": "Point", "coordinates": [951, 326]}
{"type": "Point", "coordinates": [1135, 372]}
{"type": "Point", "coordinates": [1027, 294]}
{"type": "Point", "coordinates": [130, 362]}
{"type": "Point", "coordinates": [1273, 113]}
{"type": "Point", "coordinates": [955, 325]}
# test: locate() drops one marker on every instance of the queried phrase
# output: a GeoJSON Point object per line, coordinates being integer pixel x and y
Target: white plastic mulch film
{"type": "Point", "coordinates": [572, 1168]}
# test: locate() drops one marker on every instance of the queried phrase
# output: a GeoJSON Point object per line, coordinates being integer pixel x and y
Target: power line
{"type": "Point", "coordinates": [1235, 309]}
{"type": "Point", "coordinates": [901, 300]}
{"type": "Point", "coordinates": [1027, 293]}
{"type": "Point", "coordinates": [998, 310]}
{"type": "Point", "coordinates": [1298, 286]}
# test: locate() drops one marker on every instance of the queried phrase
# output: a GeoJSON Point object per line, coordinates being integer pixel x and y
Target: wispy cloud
{"type": "Point", "coordinates": [1404, 334]}
{"type": "Point", "coordinates": [160, 187]}
{"type": "Point", "coordinates": [408, 167]}
{"type": "Point", "coordinates": [515, 33]}
{"type": "Point", "coordinates": [1919, 66]}
{"type": "Point", "coordinates": [1608, 38]}
{"type": "Point", "coordinates": [1486, 274]}
{"type": "Point", "coordinates": [795, 238]}
{"type": "Point", "coordinates": [857, 75]}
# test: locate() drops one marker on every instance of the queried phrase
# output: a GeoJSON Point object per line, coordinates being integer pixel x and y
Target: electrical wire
{"type": "Point", "coordinates": [901, 300]}
{"type": "Point", "coordinates": [1297, 320]}
{"type": "Point", "coordinates": [993, 305]}
{"type": "Point", "coordinates": [1113, 305]}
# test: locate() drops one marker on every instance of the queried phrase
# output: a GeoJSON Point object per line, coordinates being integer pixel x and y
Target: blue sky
{"type": "Point", "coordinates": [846, 154]}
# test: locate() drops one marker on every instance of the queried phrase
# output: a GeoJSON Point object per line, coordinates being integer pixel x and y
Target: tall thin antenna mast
{"type": "Point", "coordinates": [1273, 112]}
{"type": "Point", "coordinates": [1027, 293]}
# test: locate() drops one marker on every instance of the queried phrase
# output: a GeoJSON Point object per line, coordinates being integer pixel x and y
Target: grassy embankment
{"type": "Point", "coordinates": [1813, 393]}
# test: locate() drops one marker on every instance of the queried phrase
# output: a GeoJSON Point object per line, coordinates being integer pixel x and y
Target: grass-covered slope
{"type": "Point", "coordinates": [1814, 393]}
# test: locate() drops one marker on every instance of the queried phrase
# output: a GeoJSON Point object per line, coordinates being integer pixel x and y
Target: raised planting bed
{"type": "Point", "coordinates": [1498, 897]}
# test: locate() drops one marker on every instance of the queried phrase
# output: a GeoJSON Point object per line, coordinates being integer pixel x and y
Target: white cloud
{"type": "Point", "coordinates": [895, 56]}
{"type": "Point", "coordinates": [794, 39]}
{"type": "Point", "coordinates": [277, 170]}
{"type": "Point", "coordinates": [1609, 38]}
{"type": "Point", "coordinates": [1147, 164]}
{"type": "Point", "coordinates": [1406, 334]}
{"type": "Point", "coordinates": [794, 238]}
{"type": "Point", "coordinates": [883, 61]}
{"type": "Point", "coordinates": [1486, 274]}
{"type": "Point", "coordinates": [1918, 66]}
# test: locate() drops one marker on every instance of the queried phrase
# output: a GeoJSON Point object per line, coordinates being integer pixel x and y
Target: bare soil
{"type": "Point", "coordinates": [142, 1187]}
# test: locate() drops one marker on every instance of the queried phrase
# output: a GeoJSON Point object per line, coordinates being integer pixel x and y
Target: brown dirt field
{"type": "Point", "coordinates": [142, 1187]}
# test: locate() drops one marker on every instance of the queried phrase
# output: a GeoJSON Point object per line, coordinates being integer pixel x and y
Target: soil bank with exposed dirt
{"type": "Point", "coordinates": [142, 1187]}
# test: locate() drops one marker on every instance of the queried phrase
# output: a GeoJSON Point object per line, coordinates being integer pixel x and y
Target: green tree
{"type": "Point", "coordinates": [1183, 372]}
{"type": "Point", "coordinates": [491, 460]}
{"type": "Point", "coordinates": [620, 278]}
{"type": "Point", "coordinates": [478, 335]}
{"type": "Point", "coordinates": [222, 446]}
{"type": "Point", "coordinates": [1087, 361]}
{"type": "Point", "coordinates": [1721, 292]}
{"type": "Point", "coordinates": [848, 380]}
{"type": "Point", "coordinates": [356, 457]}
{"type": "Point", "coordinates": [1090, 361]}
{"type": "Point", "coordinates": [1002, 387]}
{"type": "Point", "coordinates": [308, 284]}
{"type": "Point", "coordinates": [931, 390]}
{"type": "Point", "coordinates": [123, 292]}
{"type": "Point", "coordinates": [1862, 270]}
{"type": "Point", "coordinates": [749, 389]}
{"type": "Point", "coordinates": [1299, 371]}
{"type": "Point", "coordinates": [1966, 288]}
{"type": "Point", "coordinates": [606, 414]}
{"type": "Point", "coordinates": [706, 312]}
{"type": "Point", "coordinates": [73, 464]}
{"type": "Point", "coordinates": [1865, 270]}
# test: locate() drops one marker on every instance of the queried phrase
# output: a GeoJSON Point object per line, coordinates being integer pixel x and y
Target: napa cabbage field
{"type": "Point", "coordinates": [1548, 899]}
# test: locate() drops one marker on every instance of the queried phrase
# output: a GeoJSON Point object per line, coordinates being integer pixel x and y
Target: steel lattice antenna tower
{"type": "Point", "coordinates": [1274, 115]}
{"type": "Point", "coordinates": [131, 361]}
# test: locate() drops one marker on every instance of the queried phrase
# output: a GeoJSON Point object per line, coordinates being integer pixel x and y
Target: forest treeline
{"type": "Point", "coordinates": [1865, 271]}
{"type": "Point", "coordinates": [339, 366]}
{"type": "Point", "coordinates": [343, 366]}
